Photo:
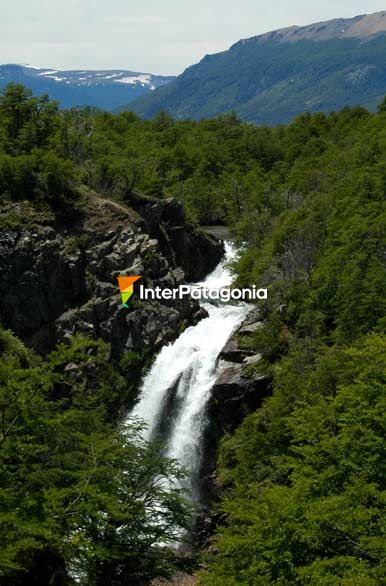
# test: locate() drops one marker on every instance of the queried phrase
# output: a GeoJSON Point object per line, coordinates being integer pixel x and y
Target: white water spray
{"type": "Point", "coordinates": [176, 391]}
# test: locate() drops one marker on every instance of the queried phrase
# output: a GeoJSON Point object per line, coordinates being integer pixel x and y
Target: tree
{"type": "Point", "coordinates": [77, 496]}
{"type": "Point", "coordinates": [308, 505]}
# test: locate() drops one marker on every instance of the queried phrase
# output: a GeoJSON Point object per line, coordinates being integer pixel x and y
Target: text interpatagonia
{"type": "Point", "coordinates": [202, 293]}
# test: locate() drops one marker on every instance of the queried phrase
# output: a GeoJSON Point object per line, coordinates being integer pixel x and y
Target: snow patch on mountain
{"type": "Point", "coordinates": [31, 66]}
{"type": "Point", "coordinates": [92, 78]}
{"type": "Point", "coordinates": [49, 72]}
{"type": "Point", "coordinates": [105, 89]}
{"type": "Point", "coordinates": [144, 80]}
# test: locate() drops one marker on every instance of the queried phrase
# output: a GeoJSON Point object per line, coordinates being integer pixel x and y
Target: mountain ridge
{"type": "Point", "coordinates": [362, 26]}
{"type": "Point", "coordinates": [270, 78]}
{"type": "Point", "coordinates": [105, 88]}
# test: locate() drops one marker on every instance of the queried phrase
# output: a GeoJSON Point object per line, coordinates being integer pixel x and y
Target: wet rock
{"type": "Point", "coordinates": [239, 390]}
{"type": "Point", "coordinates": [235, 395]}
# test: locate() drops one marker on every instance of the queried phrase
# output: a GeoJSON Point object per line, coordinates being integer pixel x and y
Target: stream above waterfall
{"type": "Point", "coordinates": [176, 390]}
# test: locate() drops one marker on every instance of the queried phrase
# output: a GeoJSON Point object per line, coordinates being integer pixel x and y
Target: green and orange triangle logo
{"type": "Point", "coordinates": [126, 286]}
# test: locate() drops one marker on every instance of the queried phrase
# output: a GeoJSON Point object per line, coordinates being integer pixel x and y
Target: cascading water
{"type": "Point", "coordinates": [175, 392]}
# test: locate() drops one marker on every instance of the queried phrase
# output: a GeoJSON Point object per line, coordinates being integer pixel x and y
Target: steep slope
{"type": "Point", "coordinates": [270, 78]}
{"type": "Point", "coordinates": [103, 89]}
{"type": "Point", "coordinates": [69, 269]}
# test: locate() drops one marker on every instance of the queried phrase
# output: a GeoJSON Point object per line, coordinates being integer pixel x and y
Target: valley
{"type": "Point", "coordinates": [270, 417]}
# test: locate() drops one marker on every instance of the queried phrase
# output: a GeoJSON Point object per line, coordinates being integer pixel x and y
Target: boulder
{"type": "Point", "coordinates": [233, 353]}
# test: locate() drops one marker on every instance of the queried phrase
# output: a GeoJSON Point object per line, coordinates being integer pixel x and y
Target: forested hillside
{"type": "Point", "coordinates": [304, 476]}
{"type": "Point", "coordinates": [273, 77]}
{"type": "Point", "coordinates": [303, 479]}
{"type": "Point", "coordinates": [78, 500]}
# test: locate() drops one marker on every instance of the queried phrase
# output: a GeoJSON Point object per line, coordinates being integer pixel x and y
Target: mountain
{"type": "Point", "coordinates": [270, 78]}
{"type": "Point", "coordinates": [103, 89]}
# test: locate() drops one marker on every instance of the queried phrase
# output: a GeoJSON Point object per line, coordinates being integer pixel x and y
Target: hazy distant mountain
{"type": "Point", "coordinates": [103, 89]}
{"type": "Point", "coordinates": [272, 77]}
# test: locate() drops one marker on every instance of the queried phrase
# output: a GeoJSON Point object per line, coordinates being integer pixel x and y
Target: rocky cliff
{"type": "Point", "coordinates": [240, 388]}
{"type": "Point", "coordinates": [58, 278]}
{"type": "Point", "coordinates": [191, 249]}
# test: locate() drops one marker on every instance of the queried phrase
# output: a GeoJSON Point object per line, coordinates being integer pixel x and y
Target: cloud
{"type": "Point", "coordinates": [136, 20]}
{"type": "Point", "coordinates": [147, 35]}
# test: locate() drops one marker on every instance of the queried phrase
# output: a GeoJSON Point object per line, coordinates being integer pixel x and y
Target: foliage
{"type": "Point", "coordinates": [308, 505]}
{"type": "Point", "coordinates": [78, 497]}
{"type": "Point", "coordinates": [303, 478]}
{"type": "Point", "coordinates": [28, 169]}
{"type": "Point", "coordinates": [270, 79]}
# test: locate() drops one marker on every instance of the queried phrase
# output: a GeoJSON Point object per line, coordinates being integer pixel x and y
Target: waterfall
{"type": "Point", "coordinates": [175, 392]}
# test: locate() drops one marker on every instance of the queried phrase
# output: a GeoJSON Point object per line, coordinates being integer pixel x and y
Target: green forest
{"type": "Point", "coordinates": [303, 479]}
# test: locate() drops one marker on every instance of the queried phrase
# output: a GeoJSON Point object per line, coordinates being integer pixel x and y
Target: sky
{"type": "Point", "coordinates": [153, 36]}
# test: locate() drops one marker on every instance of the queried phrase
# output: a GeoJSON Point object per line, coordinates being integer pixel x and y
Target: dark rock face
{"type": "Point", "coordinates": [196, 251]}
{"type": "Point", "coordinates": [37, 281]}
{"type": "Point", "coordinates": [59, 281]}
{"type": "Point", "coordinates": [236, 393]}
